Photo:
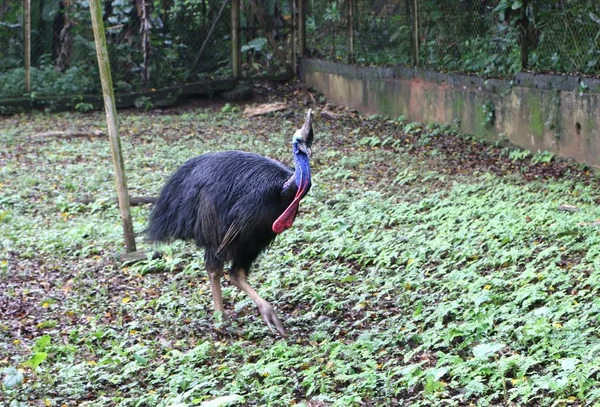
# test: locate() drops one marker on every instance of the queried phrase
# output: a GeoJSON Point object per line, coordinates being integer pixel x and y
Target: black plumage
{"type": "Point", "coordinates": [233, 204]}
{"type": "Point", "coordinates": [210, 192]}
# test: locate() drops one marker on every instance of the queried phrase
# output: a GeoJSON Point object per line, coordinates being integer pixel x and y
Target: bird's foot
{"type": "Point", "coordinates": [271, 319]}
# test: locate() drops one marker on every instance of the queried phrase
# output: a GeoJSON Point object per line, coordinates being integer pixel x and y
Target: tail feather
{"type": "Point", "coordinates": [174, 215]}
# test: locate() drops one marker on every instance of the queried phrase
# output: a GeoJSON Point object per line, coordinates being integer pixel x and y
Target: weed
{"type": "Point", "coordinates": [84, 107]}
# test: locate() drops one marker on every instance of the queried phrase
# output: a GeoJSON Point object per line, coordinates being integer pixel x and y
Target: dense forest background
{"type": "Point", "coordinates": [158, 43]}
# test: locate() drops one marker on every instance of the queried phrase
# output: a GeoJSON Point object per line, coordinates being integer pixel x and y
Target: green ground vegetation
{"type": "Point", "coordinates": [424, 269]}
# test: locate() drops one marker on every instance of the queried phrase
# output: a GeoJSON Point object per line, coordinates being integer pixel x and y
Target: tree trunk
{"type": "Point", "coordinates": [143, 9]}
{"type": "Point", "coordinates": [27, 43]}
{"type": "Point", "coordinates": [63, 36]}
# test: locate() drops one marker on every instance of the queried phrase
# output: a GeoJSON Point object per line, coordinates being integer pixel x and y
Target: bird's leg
{"type": "Point", "coordinates": [214, 274]}
{"type": "Point", "coordinates": [239, 278]}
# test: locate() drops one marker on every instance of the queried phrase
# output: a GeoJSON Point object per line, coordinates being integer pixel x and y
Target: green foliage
{"type": "Point", "coordinates": [401, 282]}
{"type": "Point", "coordinates": [542, 157]}
{"type": "Point", "coordinates": [518, 154]}
{"type": "Point", "coordinates": [84, 107]}
{"type": "Point", "coordinates": [470, 37]}
{"type": "Point", "coordinates": [12, 378]}
{"type": "Point", "coordinates": [45, 80]}
{"type": "Point", "coordinates": [229, 108]}
{"type": "Point", "coordinates": [489, 114]}
{"type": "Point", "coordinates": [257, 45]}
{"type": "Point", "coordinates": [144, 102]}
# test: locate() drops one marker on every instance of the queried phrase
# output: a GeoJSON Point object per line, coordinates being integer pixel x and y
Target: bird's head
{"type": "Point", "coordinates": [303, 138]}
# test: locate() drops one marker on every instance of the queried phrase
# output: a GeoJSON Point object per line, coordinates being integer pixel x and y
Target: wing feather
{"type": "Point", "coordinates": [230, 236]}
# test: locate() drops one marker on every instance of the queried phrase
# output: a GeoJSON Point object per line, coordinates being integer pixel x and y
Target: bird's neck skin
{"type": "Point", "coordinates": [301, 177]}
{"type": "Point", "coordinates": [302, 172]}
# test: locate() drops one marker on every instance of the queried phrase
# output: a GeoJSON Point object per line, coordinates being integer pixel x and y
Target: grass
{"type": "Point", "coordinates": [425, 269]}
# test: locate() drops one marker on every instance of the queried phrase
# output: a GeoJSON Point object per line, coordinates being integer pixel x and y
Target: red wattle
{"type": "Point", "coordinates": [286, 219]}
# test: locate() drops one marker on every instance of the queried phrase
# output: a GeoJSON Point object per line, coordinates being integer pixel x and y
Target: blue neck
{"type": "Point", "coordinates": [302, 166]}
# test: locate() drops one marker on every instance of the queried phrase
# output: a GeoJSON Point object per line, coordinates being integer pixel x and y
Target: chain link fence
{"type": "Point", "coordinates": [493, 38]}
{"type": "Point", "coordinates": [153, 44]}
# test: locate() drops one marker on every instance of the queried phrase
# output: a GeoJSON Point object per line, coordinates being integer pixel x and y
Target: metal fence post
{"type": "Point", "coordinates": [294, 36]}
{"type": "Point", "coordinates": [236, 57]}
{"type": "Point", "coordinates": [27, 43]}
{"type": "Point", "coordinates": [301, 28]}
{"type": "Point", "coordinates": [351, 31]}
{"type": "Point", "coordinates": [524, 36]}
{"type": "Point", "coordinates": [415, 29]}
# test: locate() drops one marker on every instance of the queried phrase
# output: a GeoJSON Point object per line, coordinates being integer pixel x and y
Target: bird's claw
{"type": "Point", "coordinates": [271, 319]}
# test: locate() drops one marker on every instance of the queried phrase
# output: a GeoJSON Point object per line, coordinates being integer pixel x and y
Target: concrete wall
{"type": "Point", "coordinates": [536, 112]}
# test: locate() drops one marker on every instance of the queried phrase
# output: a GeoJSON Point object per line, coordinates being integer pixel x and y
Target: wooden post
{"type": "Point", "coordinates": [111, 121]}
{"type": "Point", "coordinates": [415, 16]}
{"type": "Point", "coordinates": [236, 53]}
{"type": "Point", "coordinates": [27, 43]}
{"type": "Point", "coordinates": [301, 28]}
{"type": "Point", "coordinates": [350, 32]}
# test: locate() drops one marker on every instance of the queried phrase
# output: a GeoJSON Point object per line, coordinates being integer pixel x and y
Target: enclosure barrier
{"type": "Point", "coordinates": [154, 46]}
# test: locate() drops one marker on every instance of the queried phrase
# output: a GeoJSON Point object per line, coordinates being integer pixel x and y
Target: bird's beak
{"type": "Point", "coordinates": [306, 132]}
{"type": "Point", "coordinates": [308, 152]}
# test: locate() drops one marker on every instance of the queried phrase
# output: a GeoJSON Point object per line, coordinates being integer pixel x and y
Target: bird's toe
{"type": "Point", "coordinates": [271, 319]}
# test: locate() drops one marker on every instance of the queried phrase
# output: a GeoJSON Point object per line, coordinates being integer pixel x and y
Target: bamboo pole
{"type": "Point", "coordinates": [27, 43]}
{"type": "Point", "coordinates": [301, 28]}
{"type": "Point", "coordinates": [111, 121]}
{"type": "Point", "coordinates": [236, 53]}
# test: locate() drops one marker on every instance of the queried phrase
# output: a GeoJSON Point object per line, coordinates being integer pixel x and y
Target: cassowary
{"type": "Point", "coordinates": [233, 204]}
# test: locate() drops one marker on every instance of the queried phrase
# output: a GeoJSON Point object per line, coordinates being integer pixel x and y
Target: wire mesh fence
{"type": "Point", "coordinates": [152, 44]}
{"type": "Point", "coordinates": [494, 38]}
{"type": "Point", "coordinates": [382, 32]}
{"type": "Point", "coordinates": [266, 32]}
{"type": "Point", "coordinates": [565, 36]}
{"type": "Point", "coordinates": [466, 36]}
{"type": "Point", "coordinates": [161, 43]}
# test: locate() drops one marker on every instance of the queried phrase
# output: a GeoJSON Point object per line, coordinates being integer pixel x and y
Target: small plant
{"type": "Point", "coordinates": [518, 154]}
{"type": "Point", "coordinates": [84, 107]}
{"type": "Point", "coordinates": [413, 128]}
{"type": "Point", "coordinates": [542, 157]}
{"type": "Point", "coordinates": [489, 114]}
{"type": "Point", "coordinates": [144, 102]}
{"type": "Point", "coordinates": [401, 120]}
{"type": "Point", "coordinates": [8, 136]}
{"type": "Point", "coordinates": [372, 141]}
{"type": "Point", "coordinates": [229, 108]}
{"type": "Point", "coordinates": [582, 88]}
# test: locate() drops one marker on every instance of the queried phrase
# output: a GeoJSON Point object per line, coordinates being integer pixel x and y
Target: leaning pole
{"type": "Point", "coordinates": [111, 121]}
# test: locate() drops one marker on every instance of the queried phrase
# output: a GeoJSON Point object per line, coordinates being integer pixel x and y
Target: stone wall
{"type": "Point", "coordinates": [555, 113]}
